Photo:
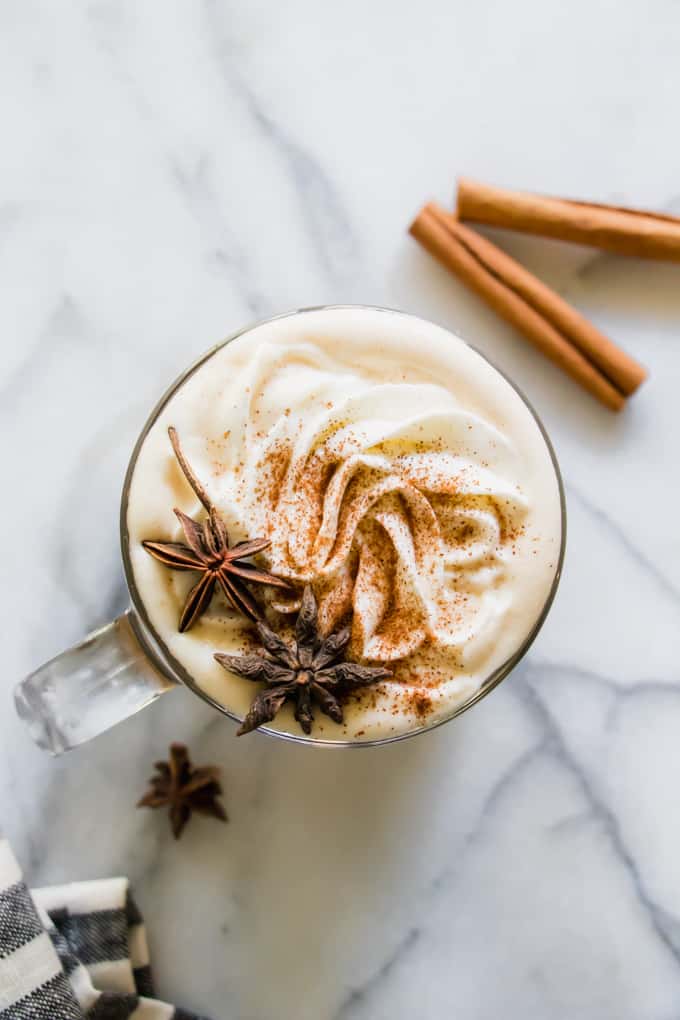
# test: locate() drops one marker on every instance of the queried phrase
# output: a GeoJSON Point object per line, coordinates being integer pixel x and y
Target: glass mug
{"type": "Point", "coordinates": [123, 667]}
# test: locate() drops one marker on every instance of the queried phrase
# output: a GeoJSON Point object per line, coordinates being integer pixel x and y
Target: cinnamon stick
{"type": "Point", "coordinates": [620, 368]}
{"type": "Point", "coordinates": [493, 275]}
{"type": "Point", "coordinates": [613, 228]}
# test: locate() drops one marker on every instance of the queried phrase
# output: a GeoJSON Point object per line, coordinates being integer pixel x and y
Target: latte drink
{"type": "Point", "coordinates": [391, 468]}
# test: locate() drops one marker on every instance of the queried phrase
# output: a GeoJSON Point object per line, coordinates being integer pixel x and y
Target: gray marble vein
{"type": "Point", "coordinates": [358, 996]}
{"type": "Point", "coordinates": [627, 548]}
{"type": "Point", "coordinates": [325, 216]}
{"type": "Point", "coordinates": [63, 331]}
{"type": "Point", "coordinates": [665, 927]}
{"type": "Point", "coordinates": [229, 259]}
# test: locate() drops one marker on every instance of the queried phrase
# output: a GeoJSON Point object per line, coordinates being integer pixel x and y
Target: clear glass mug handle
{"type": "Point", "coordinates": [90, 687]}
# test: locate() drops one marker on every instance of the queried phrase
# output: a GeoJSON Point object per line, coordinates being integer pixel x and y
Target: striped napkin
{"type": "Point", "coordinates": [74, 952]}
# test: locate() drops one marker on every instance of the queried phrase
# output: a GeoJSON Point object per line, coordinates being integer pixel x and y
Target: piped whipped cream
{"type": "Point", "coordinates": [391, 467]}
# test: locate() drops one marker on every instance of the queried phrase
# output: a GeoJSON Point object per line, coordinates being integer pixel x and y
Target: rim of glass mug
{"type": "Point", "coordinates": [157, 646]}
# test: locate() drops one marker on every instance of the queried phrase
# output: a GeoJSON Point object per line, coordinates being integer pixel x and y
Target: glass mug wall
{"type": "Point", "coordinates": [126, 665]}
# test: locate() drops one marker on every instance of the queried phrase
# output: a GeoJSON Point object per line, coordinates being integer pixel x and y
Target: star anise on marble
{"type": "Point", "coordinates": [309, 671]}
{"type": "Point", "coordinates": [183, 789]}
{"type": "Point", "coordinates": [207, 551]}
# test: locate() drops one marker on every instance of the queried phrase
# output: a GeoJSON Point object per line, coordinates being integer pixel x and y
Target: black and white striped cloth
{"type": "Point", "coordinates": [73, 952]}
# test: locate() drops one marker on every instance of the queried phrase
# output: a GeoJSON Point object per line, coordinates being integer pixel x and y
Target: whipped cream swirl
{"type": "Point", "coordinates": [397, 504]}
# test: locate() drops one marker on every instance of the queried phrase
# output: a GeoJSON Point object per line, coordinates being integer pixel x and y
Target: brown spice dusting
{"type": "Point", "coordinates": [421, 704]}
{"type": "Point", "coordinates": [411, 501]}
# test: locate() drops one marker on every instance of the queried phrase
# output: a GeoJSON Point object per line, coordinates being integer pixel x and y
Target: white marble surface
{"type": "Point", "coordinates": [171, 170]}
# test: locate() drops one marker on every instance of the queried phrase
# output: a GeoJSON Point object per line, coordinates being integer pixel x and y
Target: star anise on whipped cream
{"type": "Point", "coordinates": [308, 671]}
{"type": "Point", "coordinates": [207, 552]}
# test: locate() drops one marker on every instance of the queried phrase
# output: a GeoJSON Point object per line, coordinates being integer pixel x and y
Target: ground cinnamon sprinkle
{"type": "Point", "coordinates": [272, 471]}
{"type": "Point", "coordinates": [405, 502]}
{"type": "Point", "coordinates": [420, 703]}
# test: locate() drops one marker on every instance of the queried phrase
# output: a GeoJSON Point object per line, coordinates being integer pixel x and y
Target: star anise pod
{"type": "Point", "coordinates": [208, 552]}
{"type": "Point", "coordinates": [308, 671]}
{"type": "Point", "coordinates": [184, 789]}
